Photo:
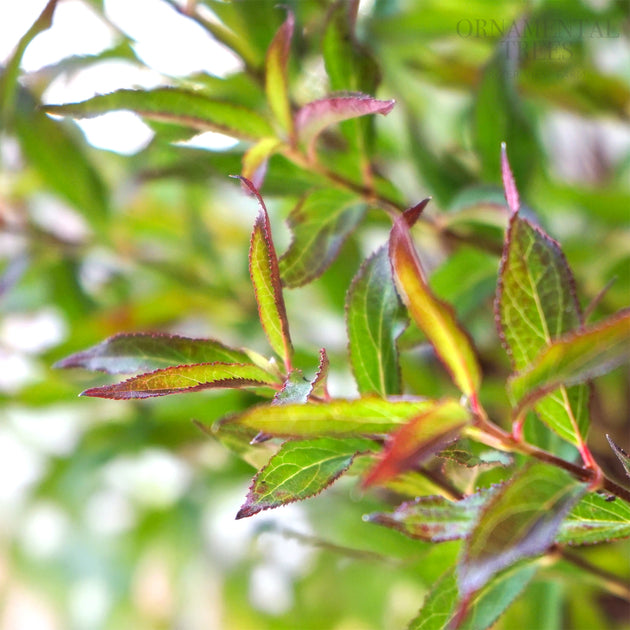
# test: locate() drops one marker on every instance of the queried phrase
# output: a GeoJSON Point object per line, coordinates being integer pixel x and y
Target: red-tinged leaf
{"type": "Point", "coordinates": [185, 378]}
{"type": "Point", "coordinates": [265, 275]}
{"type": "Point", "coordinates": [175, 106]}
{"type": "Point", "coordinates": [520, 521]}
{"type": "Point", "coordinates": [276, 75]}
{"type": "Point", "coordinates": [573, 358]}
{"type": "Point", "coordinates": [320, 223]}
{"type": "Point", "coordinates": [319, 385]}
{"type": "Point", "coordinates": [300, 470]}
{"type": "Point", "coordinates": [314, 117]}
{"type": "Point", "coordinates": [425, 434]}
{"type": "Point", "coordinates": [435, 519]}
{"type": "Point", "coordinates": [256, 158]}
{"type": "Point", "coordinates": [361, 417]}
{"type": "Point", "coordinates": [511, 192]}
{"type": "Point", "coordinates": [622, 456]}
{"type": "Point", "coordinates": [435, 318]}
{"type": "Point", "coordinates": [595, 520]}
{"type": "Point", "coordinates": [373, 319]}
{"type": "Point", "coordinates": [441, 606]}
{"type": "Point", "coordinates": [142, 352]}
{"type": "Point", "coordinates": [535, 305]}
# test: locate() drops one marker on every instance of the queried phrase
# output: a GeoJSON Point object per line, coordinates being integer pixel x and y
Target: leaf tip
{"type": "Point", "coordinates": [509, 185]}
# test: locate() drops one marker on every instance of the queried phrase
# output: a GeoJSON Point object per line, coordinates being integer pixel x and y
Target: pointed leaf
{"type": "Point", "coordinates": [622, 456]}
{"type": "Point", "coordinates": [319, 382]}
{"type": "Point", "coordinates": [574, 358]}
{"type": "Point", "coordinates": [361, 417]}
{"type": "Point", "coordinates": [595, 520]}
{"type": "Point", "coordinates": [441, 605]}
{"type": "Point", "coordinates": [520, 521]}
{"type": "Point", "coordinates": [176, 106]}
{"type": "Point", "coordinates": [509, 185]}
{"type": "Point", "coordinates": [263, 269]}
{"type": "Point", "coordinates": [185, 378]}
{"type": "Point", "coordinates": [11, 70]}
{"type": "Point", "coordinates": [256, 158]}
{"type": "Point", "coordinates": [425, 434]}
{"type": "Point", "coordinates": [435, 519]}
{"type": "Point", "coordinates": [142, 352]}
{"type": "Point", "coordinates": [373, 316]}
{"type": "Point", "coordinates": [320, 223]}
{"type": "Point", "coordinates": [314, 117]}
{"type": "Point", "coordinates": [435, 318]}
{"type": "Point", "coordinates": [300, 470]}
{"type": "Point", "coordinates": [276, 75]}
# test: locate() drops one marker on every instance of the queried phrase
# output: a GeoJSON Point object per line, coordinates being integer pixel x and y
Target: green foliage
{"type": "Point", "coordinates": [472, 518]}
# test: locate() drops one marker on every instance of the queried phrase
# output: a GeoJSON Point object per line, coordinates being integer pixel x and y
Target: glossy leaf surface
{"type": "Point", "coordinates": [435, 318]}
{"type": "Point", "coordinates": [320, 223]}
{"type": "Point", "coordinates": [142, 352]}
{"type": "Point", "coordinates": [300, 470]}
{"type": "Point", "coordinates": [520, 521]}
{"type": "Point", "coordinates": [185, 378]}
{"type": "Point", "coordinates": [373, 316]}
{"type": "Point", "coordinates": [364, 416]}
{"type": "Point", "coordinates": [276, 80]}
{"type": "Point", "coordinates": [423, 435]}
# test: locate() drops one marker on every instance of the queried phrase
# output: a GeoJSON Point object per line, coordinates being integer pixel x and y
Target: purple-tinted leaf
{"type": "Point", "coordinates": [265, 275]}
{"type": "Point", "coordinates": [142, 352]}
{"type": "Point", "coordinates": [622, 456]}
{"type": "Point", "coordinates": [314, 117]}
{"type": "Point", "coordinates": [185, 378]}
{"type": "Point", "coordinates": [373, 319]}
{"type": "Point", "coordinates": [511, 192]}
{"type": "Point", "coordinates": [441, 606]}
{"type": "Point", "coordinates": [276, 79]}
{"type": "Point", "coordinates": [520, 521]}
{"type": "Point", "coordinates": [425, 434]}
{"type": "Point", "coordinates": [300, 470]}
{"type": "Point", "coordinates": [595, 520]}
{"type": "Point", "coordinates": [319, 385]}
{"type": "Point", "coordinates": [435, 519]}
{"type": "Point", "coordinates": [573, 358]}
{"type": "Point", "coordinates": [435, 318]}
{"type": "Point", "coordinates": [320, 223]}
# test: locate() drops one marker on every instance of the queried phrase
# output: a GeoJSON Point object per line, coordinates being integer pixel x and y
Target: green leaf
{"type": "Point", "coordinates": [11, 71]}
{"type": "Point", "coordinates": [265, 275]}
{"type": "Point", "coordinates": [373, 316]}
{"type": "Point", "coordinates": [595, 520]}
{"type": "Point", "coordinates": [320, 223]}
{"type": "Point", "coordinates": [574, 358]}
{"type": "Point", "coordinates": [141, 352]}
{"type": "Point", "coordinates": [435, 318]}
{"type": "Point", "coordinates": [319, 385]}
{"type": "Point", "coordinates": [435, 519]}
{"type": "Point", "coordinates": [175, 106]}
{"type": "Point", "coordinates": [60, 160]}
{"type": "Point", "coordinates": [361, 417]}
{"type": "Point", "coordinates": [520, 521]}
{"type": "Point", "coordinates": [276, 79]}
{"type": "Point", "coordinates": [300, 470]}
{"type": "Point", "coordinates": [185, 378]}
{"type": "Point", "coordinates": [622, 456]}
{"type": "Point", "coordinates": [423, 435]}
{"type": "Point", "coordinates": [440, 607]}
{"type": "Point", "coordinates": [295, 390]}
{"type": "Point", "coordinates": [535, 304]}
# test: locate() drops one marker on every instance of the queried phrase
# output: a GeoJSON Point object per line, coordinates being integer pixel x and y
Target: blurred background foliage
{"type": "Point", "coordinates": [120, 514]}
